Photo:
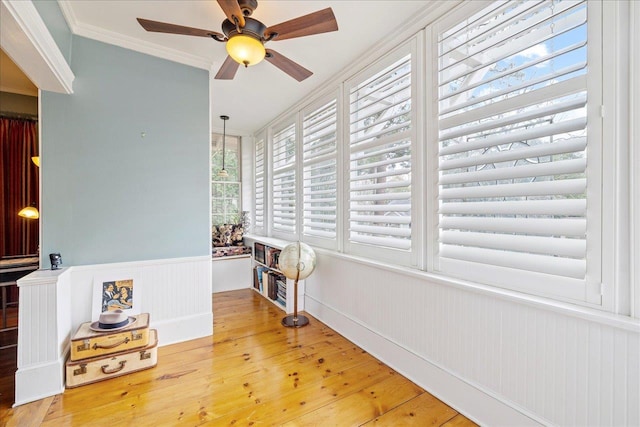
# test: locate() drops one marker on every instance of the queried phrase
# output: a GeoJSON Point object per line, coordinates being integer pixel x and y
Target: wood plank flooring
{"type": "Point", "coordinates": [251, 372]}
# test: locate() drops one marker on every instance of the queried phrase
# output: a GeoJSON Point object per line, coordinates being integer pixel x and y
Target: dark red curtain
{"type": "Point", "coordinates": [18, 186]}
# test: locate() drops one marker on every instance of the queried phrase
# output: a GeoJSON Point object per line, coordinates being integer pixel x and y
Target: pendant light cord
{"type": "Point", "coordinates": [224, 137]}
{"type": "Point", "coordinates": [223, 173]}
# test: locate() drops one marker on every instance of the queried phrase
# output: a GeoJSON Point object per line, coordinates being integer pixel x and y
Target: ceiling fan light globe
{"type": "Point", "coordinates": [245, 50]}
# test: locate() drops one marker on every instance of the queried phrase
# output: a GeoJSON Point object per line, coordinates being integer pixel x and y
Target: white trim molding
{"type": "Point", "coordinates": [634, 133]}
{"type": "Point", "coordinates": [44, 316]}
{"type": "Point", "coordinates": [116, 39]}
{"type": "Point", "coordinates": [27, 41]}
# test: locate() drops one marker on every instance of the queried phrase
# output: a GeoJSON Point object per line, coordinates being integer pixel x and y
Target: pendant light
{"type": "Point", "coordinates": [223, 172]}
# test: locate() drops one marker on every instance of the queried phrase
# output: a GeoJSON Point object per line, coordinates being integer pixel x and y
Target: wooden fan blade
{"type": "Point", "coordinates": [228, 69]}
{"type": "Point", "coordinates": [231, 8]}
{"type": "Point", "coordinates": [295, 70]}
{"type": "Point", "coordinates": [163, 27]}
{"type": "Point", "coordinates": [322, 21]}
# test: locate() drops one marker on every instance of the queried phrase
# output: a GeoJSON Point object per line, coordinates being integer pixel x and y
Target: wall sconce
{"type": "Point", "coordinates": [30, 212]}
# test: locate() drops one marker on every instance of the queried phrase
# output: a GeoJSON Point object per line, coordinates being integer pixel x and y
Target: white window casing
{"type": "Point", "coordinates": [319, 171]}
{"type": "Point", "coordinates": [259, 204]}
{"type": "Point", "coordinates": [519, 145]}
{"type": "Point", "coordinates": [381, 146]}
{"type": "Point", "coordinates": [284, 183]}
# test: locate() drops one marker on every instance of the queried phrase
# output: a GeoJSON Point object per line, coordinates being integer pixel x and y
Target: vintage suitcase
{"type": "Point", "coordinates": [88, 343]}
{"type": "Point", "coordinates": [101, 368]}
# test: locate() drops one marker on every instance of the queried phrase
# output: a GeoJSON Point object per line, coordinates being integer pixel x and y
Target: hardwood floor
{"type": "Point", "coordinates": [252, 371]}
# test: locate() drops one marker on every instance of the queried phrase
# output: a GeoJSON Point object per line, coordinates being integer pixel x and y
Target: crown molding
{"type": "Point", "coordinates": [131, 43]}
{"type": "Point", "coordinates": [27, 41]}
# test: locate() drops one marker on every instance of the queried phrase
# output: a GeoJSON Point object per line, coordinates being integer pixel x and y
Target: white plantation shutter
{"type": "Point", "coordinates": [283, 206]}
{"type": "Point", "coordinates": [319, 156]}
{"type": "Point", "coordinates": [513, 142]}
{"type": "Point", "coordinates": [259, 201]}
{"type": "Point", "coordinates": [380, 155]}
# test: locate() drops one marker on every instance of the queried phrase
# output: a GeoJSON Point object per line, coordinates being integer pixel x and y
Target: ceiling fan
{"type": "Point", "coordinates": [245, 36]}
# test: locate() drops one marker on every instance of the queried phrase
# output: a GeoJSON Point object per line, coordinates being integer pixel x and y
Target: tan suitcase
{"type": "Point", "coordinates": [87, 343]}
{"type": "Point", "coordinates": [102, 368]}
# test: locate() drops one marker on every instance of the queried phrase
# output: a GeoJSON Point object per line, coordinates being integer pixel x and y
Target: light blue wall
{"type": "Point", "coordinates": [53, 18]}
{"type": "Point", "coordinates": [109, 194]}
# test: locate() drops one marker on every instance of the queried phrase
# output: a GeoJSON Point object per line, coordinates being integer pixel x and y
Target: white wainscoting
{"type": "Point", "coordinates": [176, 293]}
{"type": "Point", "coordinates": [231, 273]}
{"type": "Point", "coordinates": [497, 358]}
{"type": "Point", "coordinates": [43, 337]}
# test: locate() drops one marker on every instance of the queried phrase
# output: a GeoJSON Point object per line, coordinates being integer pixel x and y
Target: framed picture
{"type": "Point", "coordinates": [115, 293]}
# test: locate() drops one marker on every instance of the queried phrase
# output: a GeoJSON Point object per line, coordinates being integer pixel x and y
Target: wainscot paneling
{"type": "Point", "coordinates": [499, 358]}
{"type": "Point", "coordinates": [176, 293]}
{"type": "Point", "coordinates": [43, 336]}
{"type": "Point", "coordinates": [231, 273]}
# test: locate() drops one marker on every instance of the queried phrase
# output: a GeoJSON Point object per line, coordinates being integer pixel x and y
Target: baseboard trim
{"type": "Point", "coordinates": [474, 403]}
{"type": "Point", "coordinates": [38, 382]}
{"type": "Point", "coordinates": [183, 328]}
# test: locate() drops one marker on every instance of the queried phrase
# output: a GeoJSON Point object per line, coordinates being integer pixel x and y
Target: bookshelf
{"type": "Point", "coordinates": [268, 281]}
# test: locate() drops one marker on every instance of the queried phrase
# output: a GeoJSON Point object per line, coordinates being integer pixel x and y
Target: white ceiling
{"type": "Point", "coordinates": [260, 93]}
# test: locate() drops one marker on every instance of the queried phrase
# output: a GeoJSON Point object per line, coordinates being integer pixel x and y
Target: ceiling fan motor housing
{"type": "Point", "coordinates": [252, 27]}
{"type": "Point", "coordinates": [248, 6]}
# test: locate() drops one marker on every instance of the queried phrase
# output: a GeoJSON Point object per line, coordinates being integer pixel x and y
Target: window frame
{"type": "Point", "coordinates": [273, 130]}
{"type": "Point", "coordinates": [613, 290]}
{"type": "Point", "coordinates": [589, 293]}
{"type": "Point", "coordinates": [226, 182]}
{"type": "Point", "coordinates": [261, 226]}
{"type": "Point", "coordinates": [319, 241]}
{"type": "Point", "coordinates": [396, 256]}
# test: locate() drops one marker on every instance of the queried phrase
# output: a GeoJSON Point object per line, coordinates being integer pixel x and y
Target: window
{"type": "Point", "coordinates": [380, 159]}
{"type": "Point", "coordinates": [225, 192]}
{"type": "Point", "coordinates": [283, 208]}
{"type": "Point", "coordinates": [259, 199]}
{"type": "Point", "coordinates": [319, 156]}
{"type": "Point", "coordinates": [480, 149]}
{"type": "Point", "coordinates": [514, 136]}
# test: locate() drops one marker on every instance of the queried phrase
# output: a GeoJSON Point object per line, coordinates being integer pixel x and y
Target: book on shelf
{"type": "Point", "coordinates": [271, 257]}
{"type": "Point", "coordinates": [258, 249]}
{"type": "Point", "coordinates": [281, 294]}
{"type": "Point", "coordinates": [271, 289]}
{"type": "Point", "coordinates": [277, 284]}
{"type": "Point", "coordinates": [258, 277]}
{"type": "Point", "coordinates": [266, 278]}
